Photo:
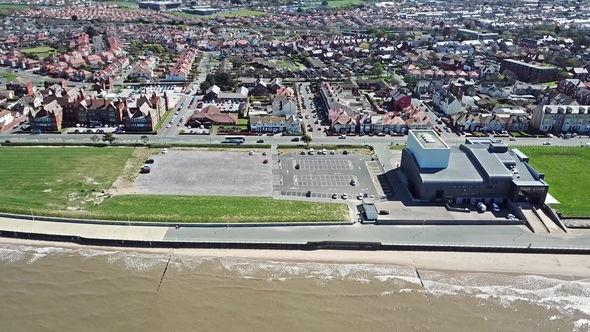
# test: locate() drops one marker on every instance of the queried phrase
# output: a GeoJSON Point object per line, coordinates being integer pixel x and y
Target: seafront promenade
{"type": "Point", "coordinates": [503, 238]}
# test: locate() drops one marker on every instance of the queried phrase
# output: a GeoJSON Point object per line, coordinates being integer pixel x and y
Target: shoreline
{"type": "Point", "coordinates": [563, 266]}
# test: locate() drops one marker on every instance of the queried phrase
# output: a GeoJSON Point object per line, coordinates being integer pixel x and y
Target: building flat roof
{"type": "Point", "coordinates": [428, 139]}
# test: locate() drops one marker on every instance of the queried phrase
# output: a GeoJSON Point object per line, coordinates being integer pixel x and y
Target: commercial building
{"type": "Point", "coordinates": [481, 170]}
{"type": "Point", "coordinates": [202, 10]}
{"type": "Point", "coordinates": [473, 34]}
{"type": "Point", "coordinates": [529, 72]}
{"type": "Point", "coordinates": [159, 5]}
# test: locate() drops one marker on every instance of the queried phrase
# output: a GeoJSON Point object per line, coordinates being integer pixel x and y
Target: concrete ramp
{"type": "Point", "coordinates": [550, 224]}
{"type": "Point", "coordinates": [536, 225]}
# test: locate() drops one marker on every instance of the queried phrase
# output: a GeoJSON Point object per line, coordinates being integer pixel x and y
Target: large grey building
{"type": "Point", "coordinates": [480, 170]}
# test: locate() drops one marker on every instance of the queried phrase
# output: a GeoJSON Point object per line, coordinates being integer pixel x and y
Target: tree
{"type": "Point", "coordinates": [94, 139]}
{"type": "Point", "coordinates": [441, 24]}
{"type": "Point", "coordinates": [571, 63]}
{"type": "Point", "coordinates": [108, 137]}
{"type": "Point", "coordinates": [91, 31]}
{"type": "Point", "coordinates": [446, 31]}
{"type": "Point", "coordinates": [557, 30]}
{"type": "Point", "coordinates": [391, 36]}
{"type": "Point", "coordinates": [74, 18]}
{"type": "Point", "coordinates": [325, 3]}
{"type": "Point", "coordinates": [299, 9]}
{"type": "Point", "coordinates": [145, 139]}
{"type": "Point", "coordinates": [305, 138]}
{"type": "Point", "coordinates": [377, 69]}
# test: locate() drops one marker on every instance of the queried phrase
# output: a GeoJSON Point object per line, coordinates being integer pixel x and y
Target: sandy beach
{"type": "Point", "coordinates": [538, 264]}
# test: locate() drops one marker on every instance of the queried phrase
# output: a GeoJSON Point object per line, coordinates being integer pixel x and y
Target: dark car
{"type": "Point", "coordinates": [144, 169]}
{"type": "Point", "coordinates": [297, 166]}
{"type": "Point", "coordinates": [345, 152]}
{"type": "Point", "coordinates": [149, 161]}
{"type": "Point", "coordinates": [260, 141]}
{"type": "Point", "coordinates": [302, 153]}
{"type": "Point", "coordinates": [296, 139]}
{"type": "Point", "coordinates": [265, 161]}
{"type": "Point", "coordinates": [383, 212]}
{"type": "Point", "coordinates": [308, 193]}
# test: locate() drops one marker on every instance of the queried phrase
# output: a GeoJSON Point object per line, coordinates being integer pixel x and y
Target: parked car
{"type": "Point", "coordinates": [260, 141]}
{"type": "Point", "coordinates": [308, 193]}
{"type": "Point", "coordinates": [359, 196]}
{"type": "Point", "coordinates": [251, 153]}
{"type": "Point", "coordinates": [297, 166]}
{"type": "Point", "coordinates": [149, 161]}
{"type": "Point", "coordinates": [345, 196]}
{"type": "Point", "coordinates": [302, 153]}
{"type": "Point", "coordinates": [296, 139]}
{"type": "Point", "coordinates": [383, 212]}
{"type": "Point", "coordinates": [481, 206]}
{"type": "Point", "coordinates": [342, 137]}
{"type": "Point", "coordinates": [145, 169]}
{"type": "Point", "coordinates": [264, 153]}
{"type": "Point", "coordinates": [546, 143]}
{"type": "Point", "coordinates": [164, 151]}
{"type": "Point", "coordinates": [353, 183]}
{"type": "Point", "coordinates": [334, 196]}
{"type": "Point", "coordinates": [265, 161]}
{"type": "Point", "coordinates": [344, 152]}
{"type": "Point", "coordinates": [495, 207]}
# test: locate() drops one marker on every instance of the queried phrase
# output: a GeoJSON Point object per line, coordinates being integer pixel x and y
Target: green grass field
{"type": "Point", "coordinates": [340, 3]}
{"type": "Point", "coordinates": [243, 122]}
{"type": "Point", "coordinates": [50, 182]}
{"type": "Point", "coordinates": [122, 4]}
{"type": "Point", "coordinates": [565, 170]}
{"type": "Point", "coordinates": [244, 12]}
{"type": "Point", "coordinates": [42, 49]}
{"type": "Point", "coordinates": [286, 64]}
{"type": "Point", "coordinates": [13, 6]}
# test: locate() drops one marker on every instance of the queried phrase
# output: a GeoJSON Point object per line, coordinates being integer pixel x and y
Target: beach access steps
{"type": "Point", "coordinates": [539, 222]}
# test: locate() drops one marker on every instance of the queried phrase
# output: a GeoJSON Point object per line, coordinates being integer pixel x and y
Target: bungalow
{"type": "Point", "coordinates": [212, 115]}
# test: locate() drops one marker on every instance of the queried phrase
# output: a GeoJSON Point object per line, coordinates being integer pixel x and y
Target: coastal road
{"type": "Point", "coordinates": [352, 140]}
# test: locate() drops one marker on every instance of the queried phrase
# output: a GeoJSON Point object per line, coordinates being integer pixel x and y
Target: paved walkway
{"type": "Point", "coordinates": [415, 235]}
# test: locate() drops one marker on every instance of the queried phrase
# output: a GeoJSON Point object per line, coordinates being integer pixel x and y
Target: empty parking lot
{"type": "Point", "coordinates": [215, 173]}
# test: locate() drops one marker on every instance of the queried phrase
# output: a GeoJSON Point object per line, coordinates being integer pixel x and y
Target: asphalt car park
{"type": "Point", "coordinates": [321, 176]}
{"type": "Point", "coordinates": [207, 173]}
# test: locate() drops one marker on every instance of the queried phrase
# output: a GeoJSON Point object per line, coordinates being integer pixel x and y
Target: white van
{"type": "Point", "coordinates": [481, 206]}
{"type": "Point", "coordinates": [324, 152]}
{"type": "Point", "coordinates": [311, 152]}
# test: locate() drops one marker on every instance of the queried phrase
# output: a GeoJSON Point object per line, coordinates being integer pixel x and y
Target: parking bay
{"type": "Point", "coordinates": [325, 175]}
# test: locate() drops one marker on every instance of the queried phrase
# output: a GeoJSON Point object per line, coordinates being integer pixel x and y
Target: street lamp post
{"type": "Point", "coordinates": [32, 215]}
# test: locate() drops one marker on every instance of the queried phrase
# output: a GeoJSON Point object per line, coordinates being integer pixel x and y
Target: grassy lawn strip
{"type": "Point", "coordinates": [286, 65]}
{"type": "Point", "coordinates": [41, 180]}
{"type": "Point", "coordinates": [8, 77]}
{"type": "Point", "coordinates": [123, 4]}
{"type": "Point", "coordinates": [565, 170]}
{"type": "Point", "coordinates": [162, 120]}
{"type": "Point", "coordinates": [243, 122]}
{"type": "Point", "coordinates": [210, 209]}
{"type": "Point", "coordinates": [339, 3]}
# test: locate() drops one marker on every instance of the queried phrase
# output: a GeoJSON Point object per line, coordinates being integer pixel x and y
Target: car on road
{"type": "Point", "coordinates": [265, 161]}
{"type": "Point", "coordinates": [334, 196]}
{"type": "Point", "coordinates": [546, 143]}
{"type": "Point", "coordinates": [342, 137]}
{"type": "Point", "coordinates": [512, 138]}
{"type": "Point", "coordinates": [383, 212]}
{"type": "Point", "coordinates": [149, 161]}
{"type": "Point", "coordinates": [168, 126]}
{"type": "Point", "coordinates": [345, 196]}
{"type": "Point", "coordinates": [260, 141]}
{"type": "Point", "coordinates": [296, 139]}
